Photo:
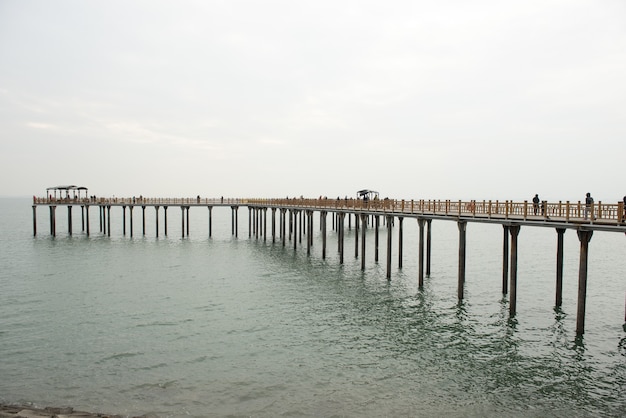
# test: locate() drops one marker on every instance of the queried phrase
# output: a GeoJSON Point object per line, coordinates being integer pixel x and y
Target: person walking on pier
{"type": "Point", "coordinates": [535, 204]}
{"type": "Point", "coordinates": [588, 205]}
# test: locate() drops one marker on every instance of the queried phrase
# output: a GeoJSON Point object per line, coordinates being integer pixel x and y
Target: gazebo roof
{"type": "Point", "coordinates": [67, 188]}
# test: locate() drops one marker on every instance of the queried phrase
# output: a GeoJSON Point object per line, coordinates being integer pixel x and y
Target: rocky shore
{"type": "Point", "coordinates": [20, 411]}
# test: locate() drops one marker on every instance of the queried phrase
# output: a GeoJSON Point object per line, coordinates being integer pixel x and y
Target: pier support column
{"type": "Point", "coordinates": [377, 224]}
{"type": "Point", "coordinates": [584, 237]}
{"type": "Point", "coordinates": [82, 217]}
{"type": "Point", "coordinates": [283, 225]}
{"type": "Point", "coordinates": [165, 220]}
{"type": "Point", "coordinates": [182, 221]}
{"type": "Point", "coordinates": [323, 216]}
{"type": "Point", "coordinates": [559, 267]}
{"type": "Point", "coordinates": [143, 220]}
{"type": "Point", "coordinates": [310, 225]}
{"type": "Point", "coordinates": [389, 220]}
{"type": "Point", "coordinates": [124, 220]}
{"type": "Point", "coordinates": [273, 225]}
{"type": "Point", "coordinates": [87, 218]}
{"type": "Point", "coordinates": [341, 220]}
{"type": "Point", "coordinates": [428, 239]}
{"type": "Point", "coordinates": [100, 210]}
{"type": "Point", "coordinates": [356, 235]}
{"type": "Point", "coordinates": [69, 220]}
{"type": "Point", "coordinates": [295, 228]}
{"type": "Point", "coordinates": [187, 210]}
{"type": "Point", "coordinates": [264, 224]}
{"type": "Point", "coordinates": [505, 260]}
{"type": "Point", "coordinates": [462, 239]}
{"type": "Point", "coordinates": [420, 258]}
{"type": "Point", "coordinates": [514, 230]}
{"type": "Point", "coordinates": [250, 212]}
{"type": "Point", "coordinates": [156, 215]}
{"type": "Point", "coordinates": [400, 240]}
{"type": "Point", "coordinates": [130, 215]}
{"type": "Point", "coordinates": [53, 221]}
{"type": "Point", "coordinates": [210, 220]}
{"type": "Point", "coordinates": [34, 220]}
{"type": "Point", "coordinates": [309, 231]}
{"type": "Point", "coordinates": [109, 220]}
{"type": "Point", "coordinates": [235, 220]}
{"type": "Point", "coordinates": [363, 228]}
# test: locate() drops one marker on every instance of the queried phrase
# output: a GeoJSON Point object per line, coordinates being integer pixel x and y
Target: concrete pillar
{"type": "Point", "coordinates": [143, 220]}
{"type": "Point", "coordinates": [584, 237]}
{"type": "Point", "coordinates": [69, 220]}
{"type": "Point", "coordinates": [420, 223]}
{"type": "Point", "coordinates": [505, 260]}
{"type": "Point", "coordinates": [34, 220]}
{"type": "Point", "coordinates": [341, 221]}
{"type": "Point", "coordinates": [323, 216]}
{"type": "Point", "coordinates": [130, 214]}
{"type": "Point", "coordinates": [210, 220]}
{"type": "Point", "coordinates": [273, 225]}
{"type": "Point", "coordinates": [182, 221]}
{"type": "Point", "coordinates": [87, 218]}
{"type": "Point", "coordinates": [400, 239]}
{"type": "Point", "coordinates": [124, 220]}
{"type": "Point", "coordinates": [462, 239]}
{"type": "Point", "coordinates": [356, 235]}
{"type": "Point", "coordinates": [187, 210]}
{"type": "Point", "coordinates": [53, 221]}
{"type": "Point", "coordinates": [156, 213]}
{"type": "Point", "coordinates": [109, 220]}
{"type": "Point", "coordinates": [514, 231]}
{"type": "Point", "coordinates": [377, 224]}
{"type": "Point", "coordinates": [165, 220]}
{"type": "Point", "coordinates": [559, 267]}
{"type": "Point", "coordinates": [389, 221]}
{"type": "Point", "coordinates": [363, 228]}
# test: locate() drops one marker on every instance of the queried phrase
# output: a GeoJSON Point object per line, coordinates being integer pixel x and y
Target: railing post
{"type": "Point", "coordinates": [525, 209]}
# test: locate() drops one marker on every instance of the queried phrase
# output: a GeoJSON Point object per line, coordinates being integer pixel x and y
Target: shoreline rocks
{"type": "Point", "coordinates": [22, 411]}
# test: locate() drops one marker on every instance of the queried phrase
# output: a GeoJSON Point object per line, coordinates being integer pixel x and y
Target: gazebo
{"type": "Point", "coordinates": [74, 189]}
{"type": "Point", "coordinates": [367, 194]}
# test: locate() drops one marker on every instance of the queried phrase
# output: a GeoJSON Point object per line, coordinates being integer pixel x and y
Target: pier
{"type": "Point", "coordinates": [291, 218]}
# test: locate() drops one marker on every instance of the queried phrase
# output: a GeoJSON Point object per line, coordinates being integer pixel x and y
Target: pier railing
{"type": "Point", "coordinates": [556, 211]}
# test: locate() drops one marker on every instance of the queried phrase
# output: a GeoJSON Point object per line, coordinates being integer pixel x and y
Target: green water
{"type": "Point", "coordinates": [244, 327]}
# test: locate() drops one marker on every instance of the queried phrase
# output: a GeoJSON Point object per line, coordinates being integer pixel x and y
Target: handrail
{"type": "Point", "coordinates": [474, 208]}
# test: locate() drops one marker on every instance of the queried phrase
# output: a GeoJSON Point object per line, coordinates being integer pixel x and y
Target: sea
{"type": "Point", "coordinates": [242, 326]}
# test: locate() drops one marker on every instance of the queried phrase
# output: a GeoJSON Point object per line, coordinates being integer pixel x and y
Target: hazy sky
{"type": "Point", "coordinates": [415, 99]}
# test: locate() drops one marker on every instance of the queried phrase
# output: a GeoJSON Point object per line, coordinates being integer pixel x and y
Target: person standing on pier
{"type": "Point", "coordinates": [535, 204]}
{"type": "Point", "coordinates": [588, 205]}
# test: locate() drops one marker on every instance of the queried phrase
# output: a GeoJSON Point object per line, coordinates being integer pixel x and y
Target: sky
{"type": "Point", "coordinates": [447, 99]}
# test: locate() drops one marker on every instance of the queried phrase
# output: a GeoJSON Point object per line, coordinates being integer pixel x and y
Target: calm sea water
{"type": "Point", "coordinates": [242, 327]}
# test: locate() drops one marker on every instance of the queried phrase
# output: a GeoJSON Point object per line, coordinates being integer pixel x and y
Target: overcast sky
{"type": "Point", "coordinates": [415, 99]}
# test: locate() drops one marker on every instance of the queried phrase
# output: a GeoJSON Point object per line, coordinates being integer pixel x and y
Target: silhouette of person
{"type": "Point", "coordinates": [535, 204]}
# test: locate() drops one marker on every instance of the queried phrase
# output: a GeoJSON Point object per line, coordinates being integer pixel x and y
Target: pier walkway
{"type": "Point", "coordinates": [296, 218]}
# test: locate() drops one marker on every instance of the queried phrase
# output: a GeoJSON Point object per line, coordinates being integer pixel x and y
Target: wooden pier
{"type": "Point", "coordinates": [297, 216]}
